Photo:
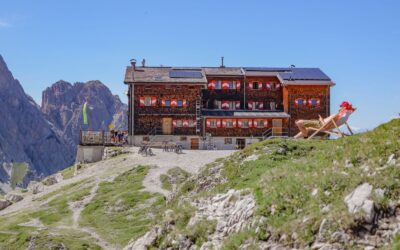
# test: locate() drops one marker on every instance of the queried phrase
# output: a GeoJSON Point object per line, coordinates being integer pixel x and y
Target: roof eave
{"type": "Point", "coordinates": [307, 82]}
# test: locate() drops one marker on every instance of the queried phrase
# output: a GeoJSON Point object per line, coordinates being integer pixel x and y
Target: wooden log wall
{"type": "Point", "coordinates": [307, 112]}
{"type": "Point", "coordinates": [264, 95]}
{"type": "Point", "coordinates": [209, 96]}
{"type": "Point", "coordinates": [146, 118]}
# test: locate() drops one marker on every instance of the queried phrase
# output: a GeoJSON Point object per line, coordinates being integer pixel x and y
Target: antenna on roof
{"type": "Point", "coordinates": [293, 66]}
{"type": "Point", "coordinates": [144, 63]}
{"type": "Point", "coordinates": [222, 62]}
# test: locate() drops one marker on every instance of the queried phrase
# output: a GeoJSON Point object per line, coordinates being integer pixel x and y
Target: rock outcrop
{"type": "Point", "coordinates": [62, 104]}
{"type": "Point", "coordinates": [358, 201]}
{"type": "Point", "coordinates": [25, 135]}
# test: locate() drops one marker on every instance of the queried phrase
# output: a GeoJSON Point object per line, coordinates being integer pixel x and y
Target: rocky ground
{"type": "Point", "coordinates": [277, 194]}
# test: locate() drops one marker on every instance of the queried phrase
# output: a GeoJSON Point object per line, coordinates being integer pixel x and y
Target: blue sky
{"type": "Point", "coordinates": [357, 43]}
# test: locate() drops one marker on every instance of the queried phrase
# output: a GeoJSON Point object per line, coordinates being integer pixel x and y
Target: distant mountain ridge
{"type": "Point", "coordinates": [62, 105]}
{"type": "Point", "coordinates": [45, 137]}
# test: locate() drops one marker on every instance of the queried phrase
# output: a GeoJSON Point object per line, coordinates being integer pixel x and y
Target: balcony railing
{"type": "Point", "coordinates": [101, 138]}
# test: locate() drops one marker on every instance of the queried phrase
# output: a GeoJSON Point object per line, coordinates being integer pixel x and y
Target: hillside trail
{"type": "Point", "coordinates": [77, 208]}
{"type": "Point", "coordinates": [106, 170]}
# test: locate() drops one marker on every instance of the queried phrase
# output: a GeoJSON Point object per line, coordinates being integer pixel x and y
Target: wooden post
{"type": "Point", "coordinates": [340, 132]}
{"type": "Point", "coordinates": [348, 127]}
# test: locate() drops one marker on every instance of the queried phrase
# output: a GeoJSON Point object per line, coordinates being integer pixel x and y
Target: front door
{"type": "Point", "coordinates": [277, 127]}
{"type": "Point", "coordinates": [240, 143]}
{"type": "Point", "coordinates": [167, 126]}
{"type": "Point", "coordinates": [194, 143]}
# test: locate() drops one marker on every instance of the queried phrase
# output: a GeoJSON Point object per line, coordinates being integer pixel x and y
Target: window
{"type": "Point", "coordinates": [217, 84]}
{"type": "Point", "coordinates": [272, 105]}
{"type": "Point", "coordinates": [255, 85]}
{"type": "Point", "coordinates": [228, 140]}
{"type": "Point", "coordinates": [180, 103]}
{"type": "Point", "coordinates": [192, 123]}
{"type": "Point", "coordinates": [229, 123]}
{"type": "Point", "coordinates": [232, 85]}
{"type": "Point", "coordinates": [245, 123]}
{"type": "Point", "coordinates": [273, 85]}
{"type": "Point", "coordinates": [147, 101]}
{"type": "Point", "coordinates": [299, 102]}
{"type": "Point", "coordinates": [167, 103]}
{"type": "Point", "coordinates": [179, 123]}
{"type": "Point", "coordinates": [213, 123]}
{"type": "Point", "coordinates": [232, 105]}
{"type": "Point", "coordinates": [217, 104]}
{"type": "Point", "coordinates": [314, 102]}
{"type": "Point", "coordinates": [183, 138]}
{"type": "Point", "coordinates": [260, 123]}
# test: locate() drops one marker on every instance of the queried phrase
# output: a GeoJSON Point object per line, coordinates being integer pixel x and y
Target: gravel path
{"type": "Point", "coordinates": [190, 161]}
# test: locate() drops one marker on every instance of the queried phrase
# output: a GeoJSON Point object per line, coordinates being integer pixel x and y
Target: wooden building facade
{"type": "Point", "coordinates": [222, 107]}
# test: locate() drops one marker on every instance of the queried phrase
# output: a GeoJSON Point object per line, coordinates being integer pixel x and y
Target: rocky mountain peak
{"type": "Point", "coordinates": [25, 135]}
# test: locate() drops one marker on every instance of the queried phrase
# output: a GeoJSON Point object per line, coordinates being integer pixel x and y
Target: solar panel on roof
{"type": "Point", "coordinates": [185, 74]}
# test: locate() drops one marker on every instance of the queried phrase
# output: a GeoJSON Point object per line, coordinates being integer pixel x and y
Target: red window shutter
{"type": "Point", "coordinates": [218, 123]}
{"type": "Point", "coordinates": [211, 85]}
{"type": "Point", "coordinates": [250, 85]}
{"type": "Point", "coordinates": [225, 85]}
{"type": "Point", "coordinates": [265, 123]}
{"type": "Point", "coordinates": [278, 86]}
{"type": "Point", "coordinates": [225, 104]}
{"type": "Point", "coordinates": [234, 123]}
{"type": "Point", "coordinates": [268, 86]}
{"type": "Point", "coordinates": [153, 101]}
{"type": "Point", "coordinates": [223, 123]}
{"type": "Point", "coordinates": [174, 103]}
{"type": "Point", "coordinates": [163, 103]}
{"type": "Point", "coordinates": [184, 104]}
{"type": "Point", "coordinates": [260, 105]}
{"type": "Point", "coordinates": [174, 123]}
{"type": "Point", "coordinates": [240, 123]}
{"type": "Point", "coordinates": [250, 105]}
{"type": "Point", "coordinates": [238, 85]}
{"type": "Point", "coordinates": [237, 104]}
{"type": "Point", "coordinates": [185, 123]}
{"type": "Point", "coordinates": [208, 123]}
{"type": "Point", "coordinates": [260, 85]}
{"type": "Point", "coordinates": [251, 123]}
{"type": "Point", "coordinates": [141, 101]}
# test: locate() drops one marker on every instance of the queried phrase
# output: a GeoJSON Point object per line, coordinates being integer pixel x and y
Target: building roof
{"type": "Point", "coordinates": [219, 71]}
{"type": "Point", "coordinates": [165, 75]}
{"type": "Point", "coordinates": [288, 76]}
{"type": "Point", "coordinates": [244, 113]}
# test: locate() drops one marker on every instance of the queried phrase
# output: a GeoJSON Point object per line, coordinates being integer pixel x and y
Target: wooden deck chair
{"type": "Point", "coordinates": [335, 121]}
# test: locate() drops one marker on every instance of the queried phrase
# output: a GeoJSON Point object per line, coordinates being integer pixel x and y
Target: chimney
{"type": "Point", "coordinates": [133, 63]}
{"type": "Point", "coordinates": [144, 63]}
{"type": "Point", "coordinates": [222, 62]}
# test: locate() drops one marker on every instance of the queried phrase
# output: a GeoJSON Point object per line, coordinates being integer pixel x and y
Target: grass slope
{"type": "Point", "coordinates": [286, 173]}
{"type": "Point", "coordinates": [121, 210]}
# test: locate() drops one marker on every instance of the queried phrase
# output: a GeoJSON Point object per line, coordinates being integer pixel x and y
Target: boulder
{"type": "Point", "coordinates": [358, 201]}
{"type": "Point", "coordinates": [14, 197]}
{"type": "Point", "coordinates": [4, 204]}
{"type": "Point", "coordinates": [54, 179]}
{"type": "Point", "coordinates": [35, 187]}
{"type": "Point", "coordinates": [146, 240]}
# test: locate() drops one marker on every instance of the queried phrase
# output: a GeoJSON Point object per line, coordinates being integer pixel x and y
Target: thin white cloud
{"type": "Point", "coordinates": [4, 24]}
